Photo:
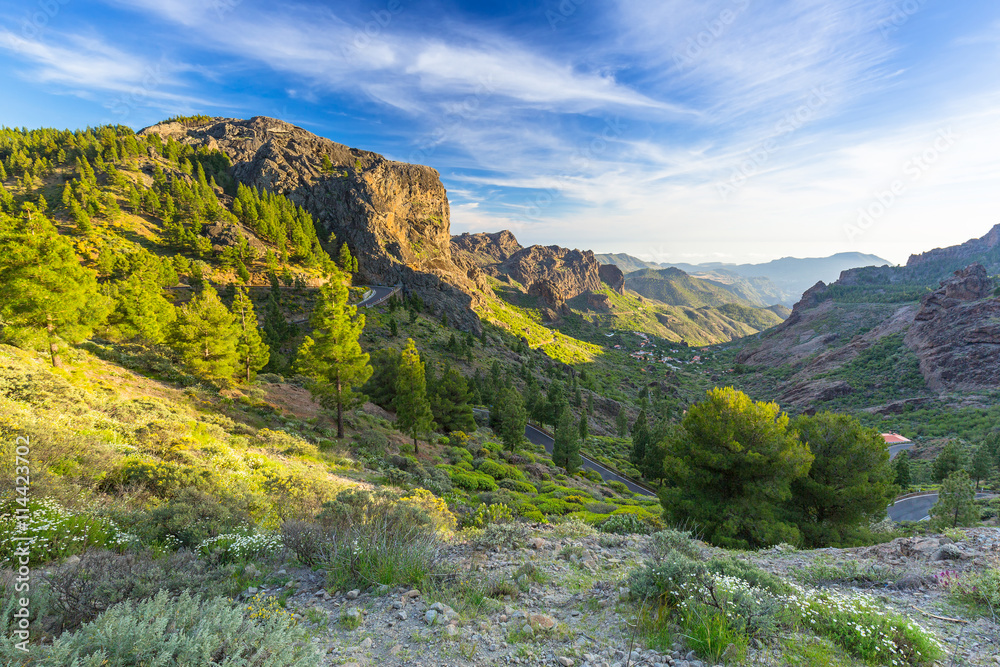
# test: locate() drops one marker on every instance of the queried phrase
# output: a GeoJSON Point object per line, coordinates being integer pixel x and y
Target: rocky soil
{"type": "Point", "coordinates": [567, 605]}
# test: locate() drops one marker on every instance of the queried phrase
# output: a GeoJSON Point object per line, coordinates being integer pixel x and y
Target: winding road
{"type": "Point", "coordinates": [537, 437]}
{"type": "Point", "coordinates": [379, 294]}
{"type": "Point", "coordinates": [541, 438]}
{"type": "Point", "coordinates": [896, 449]}
{"type": "Point", "coordinates": [917, 508]}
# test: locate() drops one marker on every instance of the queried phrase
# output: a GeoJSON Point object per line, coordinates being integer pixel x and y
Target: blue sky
{"type": "Point", "coordinates": [717, 130]}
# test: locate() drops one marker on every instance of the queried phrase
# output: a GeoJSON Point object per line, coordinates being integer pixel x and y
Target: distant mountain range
{"type": "Point", "coordinates": [779, 281]}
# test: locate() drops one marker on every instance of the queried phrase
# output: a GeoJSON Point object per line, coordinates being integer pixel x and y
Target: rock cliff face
{"type": "Point", "coordinates": [573, 272]}
{"type": "Point", "coordinates": [394, 216]}
{"type": "Point", "coordinates": [485, 249]}
{"type": "Point", "coordinates": [612, 276]}
{"type": "Point", "coordinates": [552, 273]}
{"type": "Point", "coordinates": [977, 249]}
{"type": "Point", "coordinates": [956, 333]}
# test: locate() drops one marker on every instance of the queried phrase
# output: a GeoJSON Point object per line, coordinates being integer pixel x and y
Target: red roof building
{"type": "Point", "coordinates": [894, 439]}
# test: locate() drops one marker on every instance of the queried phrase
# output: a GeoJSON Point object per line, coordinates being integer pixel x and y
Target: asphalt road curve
{"type": "Point", "coordinates": [540, 438]}
{"type": "Point", "coordinates": [379, 294]}
{"type": "Point", "coordinates": [896, 449]}
{"type": "Point", "coordinates": [917, 508]}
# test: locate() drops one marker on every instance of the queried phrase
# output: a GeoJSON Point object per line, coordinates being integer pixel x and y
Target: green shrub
{"type": "Point", "coordinates": [237, 548]}
{"type": "Point", "coordinates": [377, 539]}
{"type": "Point", "coordinates": [864, 629]}
{"type": "Point", "coordinates": [530, 512]}
{"type": "Point", "coordinates": [668, 540]}
{"type": "Point", "coordinates": [487, 514]}
{"type": "Point", "coordinates": [624, 524]}
{"type": "Point", "coordinates": [53, 532]}
{"type": "Point", "coordinates": [188, 519]}
{"type": "Point", "coordinates": [518, 485]}
{"type": "Point", "coordinates": [472, 481]}
{"type": "Point", "coordinates": [183, 631]}
{"type": "Point", "coordinates": [710, 633]}
{"type": "Point", "coordinates": [82, 590]}
{"type": "Point", "coordinates": [503, 535]}
{"type": "Point", "coordinates": [979, 588]}
{"type": "Point", "coordinates": [499, 471]}
{"type": "Point", "coordinates": [371, 443]}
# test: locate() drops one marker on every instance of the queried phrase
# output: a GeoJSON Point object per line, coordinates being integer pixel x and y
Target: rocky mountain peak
{"type": "Point", "coordinates": [394, 216]}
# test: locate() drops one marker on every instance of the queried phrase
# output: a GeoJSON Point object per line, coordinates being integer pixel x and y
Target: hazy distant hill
{"type": "Point", "coordinates": [791, 275]}
{"type": "Point", "coordinates": [627, 263]}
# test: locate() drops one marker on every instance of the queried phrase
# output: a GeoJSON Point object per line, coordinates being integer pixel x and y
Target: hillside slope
{"type": "Point", "coordinates": [880, 336]}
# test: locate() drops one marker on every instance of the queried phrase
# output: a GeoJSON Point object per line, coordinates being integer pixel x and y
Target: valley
{"type": "Point", "coordinates": [256, 365]}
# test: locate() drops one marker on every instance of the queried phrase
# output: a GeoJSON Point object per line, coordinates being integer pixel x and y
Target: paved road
{"type": "Point", "coordinates": [917, 508]}
{"type": "Point", "coordinates": [379, 294]}
{"type": "Point", "coordinates": [896, 449]}
{"type": "Point", "coordinates": [540, 438]}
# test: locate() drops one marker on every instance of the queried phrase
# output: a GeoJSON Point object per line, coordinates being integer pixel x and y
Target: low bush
{"type": "Point", "coordinates": [665, 541]}
{"type": "Point", "coordinates": [572, 527]}
{"type": "Point", "coordinates": [186, 630]}
{"type": "Point", "coordinates": [377, 538]}
{"type": "Point", "coordinates": [624, 524]}
{"type": "Point", "coordinates": [493, 513]}
{"type": "Point", "coordinates": [502, 535]}
{"type": "Point", "coordinates": [499, 471]}
{"type": "Point", "coordinates": [189, 518]}
{"type": "Point", "coordinates": [82, 590]}
{"type": "Point", "coordinates": [980, 589]}
{"type": "Point", "coordinates": [237, 548]}
{"type": "Point", "coordinates": [50, 532]}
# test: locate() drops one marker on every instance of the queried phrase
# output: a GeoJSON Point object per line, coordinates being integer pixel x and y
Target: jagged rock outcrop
{"type": "Point", "coordinates": [599, 302]}
{"type": "Point", "coordinates": [612, 276]}
{"type": "Point", "coordinates": [394, 216]}
{"type": "Point", "coordinates": [573, 272]}
{"type": "Point", "coordinates": [956, 333]}
{"type": "Point", "coordinates": [485, 249]}
{"type": "Point", "coordinates": [549, 293]}
{"type": "Point", "coordinates": [986, 245]}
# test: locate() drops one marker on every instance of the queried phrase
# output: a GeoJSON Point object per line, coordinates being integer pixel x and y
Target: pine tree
{"type": "Point", "coordinates": [140, 311]}
{"type": "Point", "coordinates": [956, 502]}
{"type": "Point", "coordinates": [584, 428]}
{"type": "Point", "coordinates": [590, 403]}
{"type": "Point", "coordinates": [381, 386]}
{"type": "Point", "coordinates": [393, 328]}
{"type": "Point", "coordinates": [948, 461]}
{"type": "Point", "coordinates": [621, 422]}
{"type": "Point", "coordinates": [332, 356]}
{"type": "Point", "coordinates": [413, 410]}
{"type": "Point", "coordinates": [205, 336]}
{"type": "Point", "coordinates": [251, 348]}
{"type": "Point", "coordinates": [640, 438]}
{"type": "Point", "coordinates": [511, 417]}
{"type": "Point", "coordinates": [981, 465]}
{"type": "Point", "coordinates": [345, 260]}
{"type": "Point", "coordinates": [44, 292]}
{"type": "Point", "coordinates": [449, 397]}
{"type": "Point", "coordinates": [901, 472]}
{"type": "Point", "coordinates": [80, 217]}
{"type": "Point", "coordinates": [566, 445]}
